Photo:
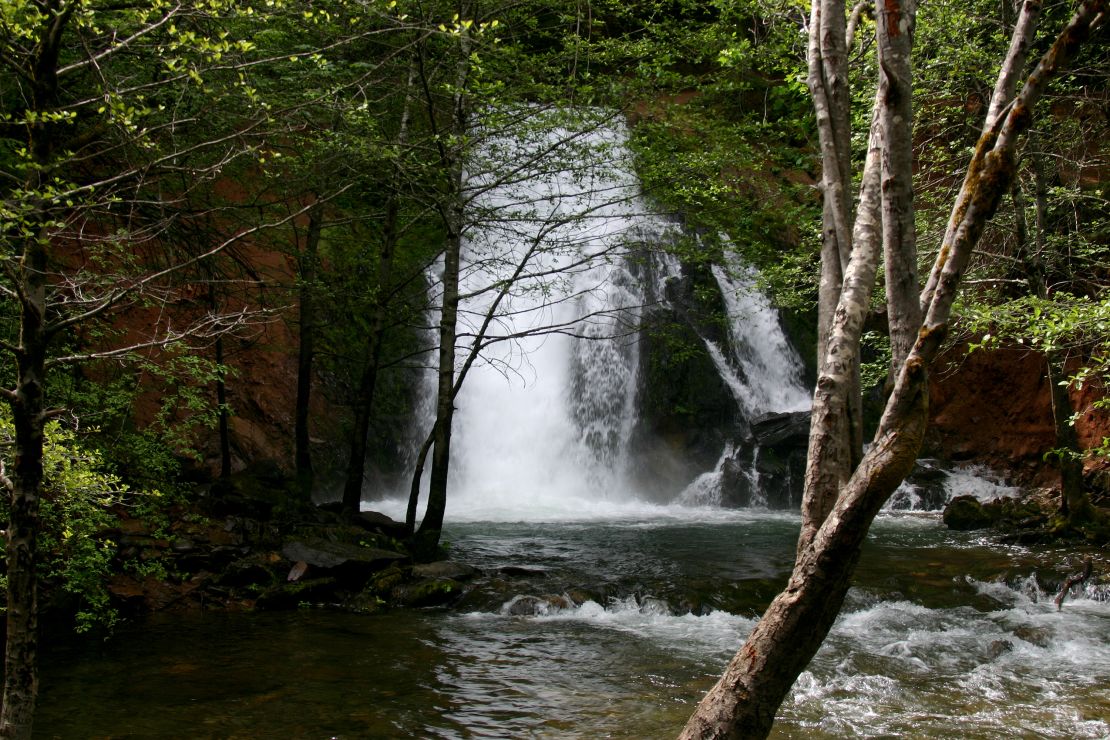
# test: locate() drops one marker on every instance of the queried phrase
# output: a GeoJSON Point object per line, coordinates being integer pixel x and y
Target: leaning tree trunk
{"type": "Point", "coordinates": [743, 702]}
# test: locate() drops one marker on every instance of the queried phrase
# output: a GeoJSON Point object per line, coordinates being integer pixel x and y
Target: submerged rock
{"type": "Point", "coordinates": [293, 595]}
{"type": "Point", "coordinates": [427, 592]}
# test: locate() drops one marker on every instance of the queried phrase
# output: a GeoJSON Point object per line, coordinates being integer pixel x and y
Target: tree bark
{"type": "Point", "coordinates": [27, 400]}
{"type": "Point", "coordinates": [743, 702]}
{"type": "Point", "coordinates": [368, 379]}
{"type": "Point", "coordinates": [828, 84]}
{"type": "Point", "coordinates": [24, 523]}
{"type": "Point", "coordinates": [838, 383]}
{"type": "Point", "coordinates": [895, 28]}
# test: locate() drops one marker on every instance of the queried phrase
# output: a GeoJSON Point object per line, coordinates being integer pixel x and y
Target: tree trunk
{"type": "Point", "coordinates": [743, 702]}
{"type": "Point", "coordinates": [838, 383]}
{"type": "Point", "coordinates": [21, 649]}
{"type": "Point", "coordinates": [309, 261]}
{"type": "Point", "coordinates": [368, 380]}
{"type": "Point", "coordinates": [432, 522]}
{"type": "Point", "coordinates": [1074, 503]}
{"type": "Point", "coordinates": [895, 27]}
{"type": "Point", "coordinates": [452, 212]}
{"type": "Point", "coordinates": [364, 398]}
{"type": "Point", "coordinates": [27, 401]}
{"type": "Point", "coordinates": [828, 84]}
{"type": "Point", "coordinates": [417, 477]}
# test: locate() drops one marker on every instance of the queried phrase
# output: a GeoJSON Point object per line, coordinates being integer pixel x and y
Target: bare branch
{"type": "Point", "coordinates": [118, 295]}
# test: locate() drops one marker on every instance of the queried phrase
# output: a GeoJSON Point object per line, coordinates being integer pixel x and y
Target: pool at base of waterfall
{"type": "Point", "coordinates": [630, 619]}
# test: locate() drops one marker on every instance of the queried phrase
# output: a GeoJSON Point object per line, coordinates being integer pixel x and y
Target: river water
{"type": "Point", "coordinates": [945, 635]}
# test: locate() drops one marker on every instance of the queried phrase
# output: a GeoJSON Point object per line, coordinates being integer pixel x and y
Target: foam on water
{"type": "Point", "coordinates": [565, 505]}
{"type": "Point", "coordinates": [1026, 669]}
{"type": "Point", "coordinates": [898, 668]}
{"type": "Point", "coordinates": [978, 481]}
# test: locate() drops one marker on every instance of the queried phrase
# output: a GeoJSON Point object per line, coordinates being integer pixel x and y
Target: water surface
{"type": "Point", "coordinates": [945, 635]}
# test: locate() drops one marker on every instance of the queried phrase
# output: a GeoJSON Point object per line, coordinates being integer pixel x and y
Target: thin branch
{"type": "Point", "coordinates": [95, 59]}
{"type": "Point", "coordinates": [118, 295]}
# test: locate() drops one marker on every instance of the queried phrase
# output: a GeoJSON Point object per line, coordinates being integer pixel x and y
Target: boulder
{"type": "Point", "coordinates": [929, 480]}
{"type": "Point", "coordinates": [445, 569]}
{"type": "Point", "coordinates": [781, 428]}
{"type": "Point", "coordinates": [326, 555]}
{"type": "Point", "coordinates": [965, 513]}
{"type": "Point", "coordinates": [351, 565]}
{"type": "Point", "coordinates": [374, 521]}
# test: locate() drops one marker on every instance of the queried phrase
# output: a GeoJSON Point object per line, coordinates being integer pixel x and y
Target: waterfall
{"type": "Point", "coordinates": [544, 417]}
{"type": "Point", "coordinates": [770, 371]}
{"type": "Point", "coordinates": [554, 268]}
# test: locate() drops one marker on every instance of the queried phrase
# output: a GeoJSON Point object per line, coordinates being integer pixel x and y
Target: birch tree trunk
{"type": "Point", "coordinates": [895, 27]}
{"type": "Point", "coordinates": [828, 84]}
{"type": "Point", "coordinates": [743, 702]}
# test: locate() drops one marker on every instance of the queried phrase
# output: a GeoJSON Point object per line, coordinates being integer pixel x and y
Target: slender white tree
{"type": "Point", "coordinates": [842, 498]}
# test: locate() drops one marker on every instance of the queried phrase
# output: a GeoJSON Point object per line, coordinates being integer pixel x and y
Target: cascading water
{"type": "Point", "coordinates": [544, 417]}
{"type": "Point", "coordinates": [762, 371]}
{"type": "Point", "coordinates": [766, 370]}
{"type": "Point", "coordinates": [552, 285]}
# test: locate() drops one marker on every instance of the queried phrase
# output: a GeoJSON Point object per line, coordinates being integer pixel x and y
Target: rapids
{"type": "Point", "coordinates": [945, 635]}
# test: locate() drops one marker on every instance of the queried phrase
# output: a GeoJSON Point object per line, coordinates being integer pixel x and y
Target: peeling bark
{"type": "Point", "coordinates": [896, 19]}
{"type": "Point", "coordinates": [743, 702]}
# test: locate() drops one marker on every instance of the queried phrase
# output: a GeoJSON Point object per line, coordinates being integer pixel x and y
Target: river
{"type": "Point", "coordinates": [945, 635]}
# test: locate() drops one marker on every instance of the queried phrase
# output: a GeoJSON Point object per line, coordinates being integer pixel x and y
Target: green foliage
{"type": "Point", "coordinates": [875, 367]}
{"type": "Point", "coordinates": [80, 506]}
{"type": "Point", "coordinates": [101, 400]}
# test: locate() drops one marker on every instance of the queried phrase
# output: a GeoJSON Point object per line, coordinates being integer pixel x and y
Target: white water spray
{"type": "Point", "coordinates": [544, 418]}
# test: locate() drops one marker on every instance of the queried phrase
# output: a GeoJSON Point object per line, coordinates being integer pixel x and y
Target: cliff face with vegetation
{"type": "Point", "coordinates": [993, 408]}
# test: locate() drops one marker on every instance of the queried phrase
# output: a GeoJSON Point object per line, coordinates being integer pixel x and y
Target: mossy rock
{"type": "Point", "coordinates": [966, 513]}
{"type": "Point", "coordinates": [293, 595]}
{"type": "Point", "coordinates": [428, 592]}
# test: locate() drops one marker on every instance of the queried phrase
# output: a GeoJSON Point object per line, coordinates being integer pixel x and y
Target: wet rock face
{"type": "Point", "coordinates": [789, 429]}
{"type": "Point", "coordinates": [686, 412]}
